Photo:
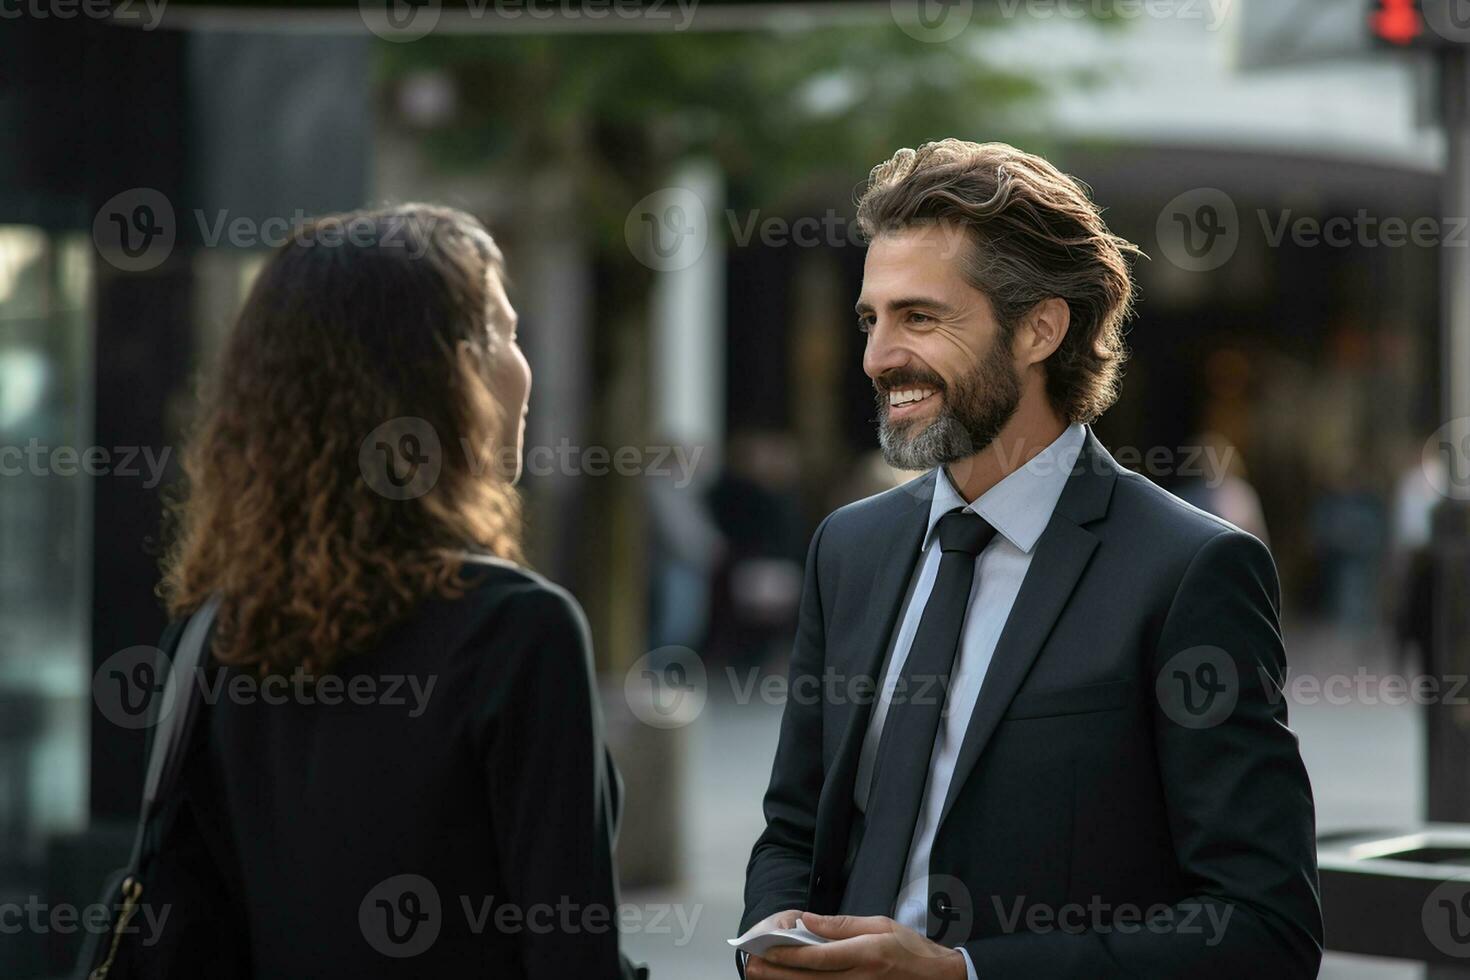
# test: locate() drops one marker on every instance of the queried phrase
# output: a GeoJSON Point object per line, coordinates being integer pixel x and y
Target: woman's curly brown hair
{"type": "Point", "coordinates": [1035, 235]}
{"type": "Point", "coordinates": [363, 330]}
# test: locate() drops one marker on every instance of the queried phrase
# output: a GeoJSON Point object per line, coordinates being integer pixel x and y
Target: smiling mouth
{"type": "Point", "coordinates": [903, 402]}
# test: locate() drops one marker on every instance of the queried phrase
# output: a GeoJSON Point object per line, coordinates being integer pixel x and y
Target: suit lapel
{"type": "Point", "coordinates": [1062, 552]}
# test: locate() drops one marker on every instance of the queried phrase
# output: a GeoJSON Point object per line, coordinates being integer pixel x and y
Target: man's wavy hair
{"type": "Point", "coordinates": [1035, 234]}
{"type": "Point", "coordinates": [359, 319]}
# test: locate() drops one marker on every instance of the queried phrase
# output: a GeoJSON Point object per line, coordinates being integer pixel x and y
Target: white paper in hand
{"type": "Point", "coordinates": [755, 943]}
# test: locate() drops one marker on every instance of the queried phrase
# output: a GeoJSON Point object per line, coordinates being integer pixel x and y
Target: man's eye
{"type": "Point", "coordinates": [864, 324]}
{"type": "Point", "coordinates": [917, 317]}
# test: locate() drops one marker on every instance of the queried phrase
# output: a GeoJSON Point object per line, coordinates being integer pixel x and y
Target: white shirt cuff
{"type": "Point", "coordinates": [969, 966]}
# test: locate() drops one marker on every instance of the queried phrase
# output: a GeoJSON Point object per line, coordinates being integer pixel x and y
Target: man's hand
{"type": "Point", "coordinates": [861, 948]}
{"type": "Point", "coordinates": [781, 920]}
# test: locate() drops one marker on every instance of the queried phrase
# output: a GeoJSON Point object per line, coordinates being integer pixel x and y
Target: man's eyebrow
{"type": "Point", "coordinates": [907, 302]}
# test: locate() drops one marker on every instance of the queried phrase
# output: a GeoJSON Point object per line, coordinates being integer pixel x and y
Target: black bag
{"type": "Point", "coordinates": [117, 954]}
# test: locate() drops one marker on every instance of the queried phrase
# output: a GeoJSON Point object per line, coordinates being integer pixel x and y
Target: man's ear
{"type": "Point", "coordinates": [1043, 330]}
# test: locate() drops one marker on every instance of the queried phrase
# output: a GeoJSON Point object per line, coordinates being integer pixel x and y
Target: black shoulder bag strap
{"type": "Point", "coordinates": [178, 711]}
{"type": "Point", "coordinates": [175, 712]}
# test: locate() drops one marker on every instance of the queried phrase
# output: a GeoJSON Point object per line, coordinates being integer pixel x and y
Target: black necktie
{"type": "Point", "coordinates": [901, 769]}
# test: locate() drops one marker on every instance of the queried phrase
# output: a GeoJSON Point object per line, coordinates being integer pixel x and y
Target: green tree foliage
{"type": "Point", "coordinates": [782, 111]}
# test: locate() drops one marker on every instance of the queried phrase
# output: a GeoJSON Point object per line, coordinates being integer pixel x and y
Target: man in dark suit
{"type": "Point", "coordinates": [1035, 724]}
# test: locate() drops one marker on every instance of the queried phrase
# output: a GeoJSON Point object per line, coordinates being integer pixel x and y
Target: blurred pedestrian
{"type": "Point", "coordinates": [1222, 487]}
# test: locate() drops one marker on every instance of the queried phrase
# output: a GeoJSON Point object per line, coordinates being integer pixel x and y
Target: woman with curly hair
{"type": "Point", "coordinates": [401, 771]}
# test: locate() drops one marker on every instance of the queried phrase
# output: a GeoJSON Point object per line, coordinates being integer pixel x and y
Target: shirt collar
{"type": "Point", "coordinates": [1020, 506]}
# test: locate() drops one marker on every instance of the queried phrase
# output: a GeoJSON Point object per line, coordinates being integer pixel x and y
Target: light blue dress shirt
{"type": "Point", "coordinates": [1019, 507]}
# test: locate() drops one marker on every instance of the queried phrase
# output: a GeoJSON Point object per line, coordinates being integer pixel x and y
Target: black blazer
{"type": "Point", "coordinates": [462, 833]}
{"type": "Point", "coordinates": [1096, 780]}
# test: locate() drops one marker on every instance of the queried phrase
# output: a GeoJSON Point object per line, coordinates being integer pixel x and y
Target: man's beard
{"type": "Point", "coordinates": [971, 414]}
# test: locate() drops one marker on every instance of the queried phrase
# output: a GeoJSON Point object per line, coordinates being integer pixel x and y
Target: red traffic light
{"type": "Point", "coordinates": [1399, 22]}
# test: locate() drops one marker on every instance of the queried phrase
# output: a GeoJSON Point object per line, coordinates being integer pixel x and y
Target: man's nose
{"type": "Point", "coordinates": [881, 354]}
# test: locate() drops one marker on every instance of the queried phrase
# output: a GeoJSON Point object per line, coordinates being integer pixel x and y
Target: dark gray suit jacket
{"type": "Point", "coordinates": [1128, 800]}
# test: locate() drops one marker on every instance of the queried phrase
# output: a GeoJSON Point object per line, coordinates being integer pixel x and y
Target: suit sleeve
{"type": "Point", "coordinates": [1239, 804]}
{"type": "Point", "coordinates": [549, 788]}
{"type": "Point", "coordinates": [780, 867]}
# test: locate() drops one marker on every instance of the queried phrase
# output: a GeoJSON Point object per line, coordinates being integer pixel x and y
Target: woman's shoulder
{"type": "Point", "coordinates": [513, 601]}
{"type": "Point", "coordinates": [493, 581]}
{"type": "Point", "coordinates": [526, 639]}
{"type": "Point", "coordinates": [490, 571]}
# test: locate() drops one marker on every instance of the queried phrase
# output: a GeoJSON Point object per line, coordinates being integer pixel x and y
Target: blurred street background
{"type": "Point", "coordinates": [673, 186]}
